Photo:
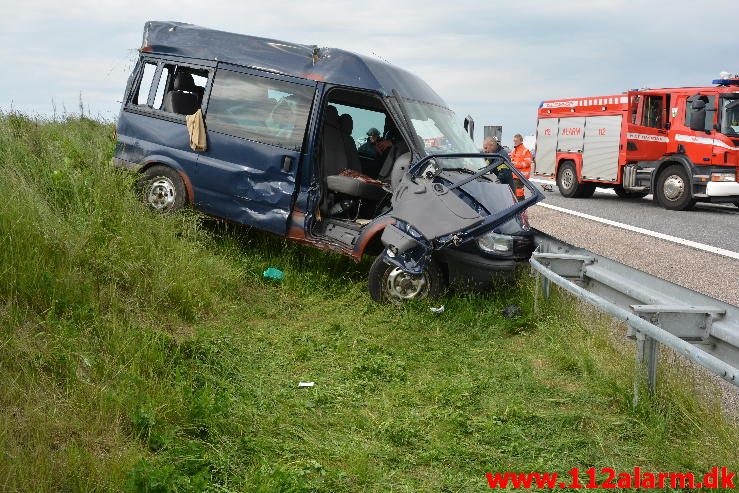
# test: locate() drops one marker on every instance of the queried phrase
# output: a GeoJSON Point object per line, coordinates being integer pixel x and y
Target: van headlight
{"type": "Point", "coordinates": [495, 243]}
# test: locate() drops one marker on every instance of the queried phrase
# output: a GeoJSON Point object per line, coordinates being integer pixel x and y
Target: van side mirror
{"type": "Point", "coordinates": [469, 126]}
{"type": "Point", "coordinates": [698, 115]}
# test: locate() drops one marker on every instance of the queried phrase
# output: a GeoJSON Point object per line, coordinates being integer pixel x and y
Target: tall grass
{"type": "Point", "coordinates": [142, 352]}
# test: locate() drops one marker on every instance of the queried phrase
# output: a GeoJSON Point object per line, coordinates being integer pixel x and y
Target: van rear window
{"type": "Point", "coordinates": [141, 95]}
{"type": "Point", "coordinates": [257, 108]}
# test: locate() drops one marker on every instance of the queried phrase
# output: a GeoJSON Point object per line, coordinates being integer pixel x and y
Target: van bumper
{"type": "Point", "coordinates": [465, 267]}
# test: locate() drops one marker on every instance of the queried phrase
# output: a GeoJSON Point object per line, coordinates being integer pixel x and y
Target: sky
{"type": "Point", "coordinates": [494, 60]}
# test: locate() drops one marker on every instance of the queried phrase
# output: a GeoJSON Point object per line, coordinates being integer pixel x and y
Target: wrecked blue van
{"type": "Point", "coordinates": [322, 146]}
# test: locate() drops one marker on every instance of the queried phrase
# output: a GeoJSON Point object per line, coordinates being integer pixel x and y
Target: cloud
{"type": "Point", "coordinates": [493, 60]}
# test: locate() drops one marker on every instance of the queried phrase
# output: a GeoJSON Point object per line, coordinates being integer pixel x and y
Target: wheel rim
{"type": "Point", "coordinates": [162, 193]}
{"type": "Point", "coordinates": [568, 178]}
{"type": "Point", "coordinates": [673, 188]}
{"type": "Point", "coordinates": [400, 285]}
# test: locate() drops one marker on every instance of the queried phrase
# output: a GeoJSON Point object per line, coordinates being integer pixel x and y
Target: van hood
{"type": "Point", "coordinates": [436, 208]}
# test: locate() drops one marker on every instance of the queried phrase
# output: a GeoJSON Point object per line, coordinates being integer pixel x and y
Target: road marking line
{"type": "Point", "coordinates": [646, 232]}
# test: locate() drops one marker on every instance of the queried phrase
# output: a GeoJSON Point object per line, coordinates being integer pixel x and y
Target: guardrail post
{"type": "Point", "coordinates": [650, 348]}
{"type": "Point", "coordinates": [646, 353]}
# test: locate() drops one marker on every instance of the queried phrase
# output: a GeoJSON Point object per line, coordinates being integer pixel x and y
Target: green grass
{"type": "Point", "coordinates": [146, 353]}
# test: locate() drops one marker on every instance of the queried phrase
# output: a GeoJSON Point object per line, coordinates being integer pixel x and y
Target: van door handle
{"type": "Point", "coordinates": [287, 163]}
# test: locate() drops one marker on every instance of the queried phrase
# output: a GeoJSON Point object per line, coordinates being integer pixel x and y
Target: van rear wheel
{"type": "Point", "coordinates": [390, 284]}
{"type": "Point", "coordinates": [162, 189]}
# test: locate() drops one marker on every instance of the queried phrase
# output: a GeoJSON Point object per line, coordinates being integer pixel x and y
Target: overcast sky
{"type": "Point", "coordinates": [493, 60]}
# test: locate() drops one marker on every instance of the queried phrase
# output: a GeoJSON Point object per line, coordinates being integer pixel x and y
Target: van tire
{"type": "Point", "coordinates": [674, 189]}
{"type": "Point", "coordinates": [162, 190]}
{"type": "Point", "coordinates": [381, 285]}
{"type": "Point", "coordinates": [567, 181]}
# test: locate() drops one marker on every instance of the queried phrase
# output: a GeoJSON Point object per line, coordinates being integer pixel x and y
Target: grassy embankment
{"type": "Point", "coordinates": [146, 353]}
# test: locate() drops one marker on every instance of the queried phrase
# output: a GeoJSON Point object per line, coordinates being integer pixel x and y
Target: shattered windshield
{"type": "Point", "coordinates": [730, 115]}
{"type": "Point", "coordinates": [441, 133]}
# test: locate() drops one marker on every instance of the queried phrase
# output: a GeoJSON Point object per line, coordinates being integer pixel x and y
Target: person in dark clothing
{"type": "Point", "coordinates": [369, 148]}
{"type": "Point", "coordinates": [502, 171]}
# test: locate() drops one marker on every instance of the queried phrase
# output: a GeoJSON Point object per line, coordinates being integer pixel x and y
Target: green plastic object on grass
{"type": "Point", "coordinates": [274, 274]}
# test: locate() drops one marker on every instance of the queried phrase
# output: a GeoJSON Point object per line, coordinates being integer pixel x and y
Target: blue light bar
{"type": "Point", "coordinates": [726, 82]}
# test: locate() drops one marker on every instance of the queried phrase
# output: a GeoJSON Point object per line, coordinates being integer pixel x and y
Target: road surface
{"type": "Point", "coordinates": [712, 224]}
{"type": "Point", "coordinates": [696, 249]}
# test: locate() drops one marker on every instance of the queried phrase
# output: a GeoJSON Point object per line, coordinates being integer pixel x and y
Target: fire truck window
{"type": "Point", "coordinates": [653, 110]}
{"type": "Point", "coordinates": [634, 107]}
{"type": "Point", "coordinates": [710, 109]}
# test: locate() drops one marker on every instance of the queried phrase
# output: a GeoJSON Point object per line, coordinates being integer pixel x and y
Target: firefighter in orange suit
{"type": "Point", "coordinates": [521, 159]}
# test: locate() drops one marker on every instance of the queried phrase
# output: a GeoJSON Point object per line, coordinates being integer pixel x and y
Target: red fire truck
{"type": "Point", "coordinates": [681, 145]}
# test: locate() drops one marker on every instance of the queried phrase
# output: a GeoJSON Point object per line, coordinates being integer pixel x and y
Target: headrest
{"type": "Point", "coordinates": [332, 116]}
{"type": "Point", "coordinates": [183, 82]}
{"type": "Point", "coordinates": [346, 123]}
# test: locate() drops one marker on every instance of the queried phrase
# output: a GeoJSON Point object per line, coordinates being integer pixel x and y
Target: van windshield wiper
{"type": "Point", "coordinates": [464, 170]}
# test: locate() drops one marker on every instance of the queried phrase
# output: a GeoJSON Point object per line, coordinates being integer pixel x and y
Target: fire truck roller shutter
{"type": "Point", "coordinates": [571, 134]}
{"type": "Point", "coordinates": [600, 148]}
{"type": "Point", "coordinates": [546, 145]}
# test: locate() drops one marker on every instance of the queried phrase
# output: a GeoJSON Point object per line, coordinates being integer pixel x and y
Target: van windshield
{"type": "Point", "coordinates": [441, 133]}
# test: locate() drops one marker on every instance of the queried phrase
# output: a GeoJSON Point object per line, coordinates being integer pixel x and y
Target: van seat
{"type": "Point", "coordinates": [182, 99]}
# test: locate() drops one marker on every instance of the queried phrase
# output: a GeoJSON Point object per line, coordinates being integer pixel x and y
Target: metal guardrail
{"type": "Point", "coordinates": [702, 329]}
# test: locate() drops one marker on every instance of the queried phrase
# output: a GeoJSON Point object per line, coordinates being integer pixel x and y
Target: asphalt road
{"type": "Point", "coordinates": [711, 224]}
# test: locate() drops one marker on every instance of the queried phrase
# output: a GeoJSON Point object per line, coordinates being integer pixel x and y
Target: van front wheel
{"type": "Point", "coordinates": [162, 189]}
{"type": "Point", "coordinates": [390, 284]}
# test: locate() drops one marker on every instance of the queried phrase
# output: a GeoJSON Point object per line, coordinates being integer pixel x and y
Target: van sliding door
{"type": "Point", "coordinates": [256, 123]}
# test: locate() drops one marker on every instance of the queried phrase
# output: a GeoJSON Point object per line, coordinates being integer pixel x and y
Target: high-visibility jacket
{"type": "Point", "coordinates": [521, 159]}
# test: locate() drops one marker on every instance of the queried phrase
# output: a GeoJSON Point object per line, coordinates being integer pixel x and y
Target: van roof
{"type": "Point", "coordinates": [330, 65]}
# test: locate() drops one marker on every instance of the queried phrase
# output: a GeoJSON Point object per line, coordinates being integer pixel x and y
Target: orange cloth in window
{"type": "Point", "coordinates": [521, 159]}
{"type": "Point", "coordinates": [196, 129]}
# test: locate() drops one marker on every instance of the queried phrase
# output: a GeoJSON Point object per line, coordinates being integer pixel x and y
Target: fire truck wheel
{"type": "Point", "coordinates": [587, 190]}
{"type": "Point", "coordinates": [567, 181]}
{"type": "Point", "coordinates": [673, 189]}
{"type": "Point", "coordinates": [626, 194]}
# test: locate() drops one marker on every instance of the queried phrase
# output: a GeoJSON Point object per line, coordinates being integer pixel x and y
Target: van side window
{"type": "Point", "coordinates": [141, 95]}
{"type": "Point", "coordinates": [257, 108]}
{"type": "Point", "coordinates": [357, 122]}
{"type": "Point", "coordinates": [161, 87]}
{"type": "Point", "coordinates": [181, 89]}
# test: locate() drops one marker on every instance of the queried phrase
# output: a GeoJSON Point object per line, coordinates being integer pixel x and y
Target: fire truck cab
{"type": "Point", "coordinates": [681, 145]}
